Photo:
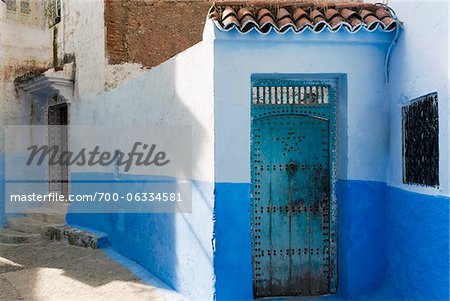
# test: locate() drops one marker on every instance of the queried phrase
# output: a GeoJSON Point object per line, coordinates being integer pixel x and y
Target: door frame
{"type": "Point", "coordinates": [259, 80]}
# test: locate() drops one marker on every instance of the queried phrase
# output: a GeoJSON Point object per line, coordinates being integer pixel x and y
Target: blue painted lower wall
{"type": "Point", "coordinates": [175, 247]}
{"type": "Point", "coordinates": [362, 258]}
{"type": "Point", "coordinates": [378, 243]}
{"type": "Point", "coordinates": [392, 243]}
{"type": "Point", "coordinates": [232, 256]}
{"type": "Point", "coordinates": [418, 245]}
{"type": "Point", "coordinates": [362, 239]}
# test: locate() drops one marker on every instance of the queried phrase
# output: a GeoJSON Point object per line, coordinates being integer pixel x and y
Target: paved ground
{"type": "Point", "coordinates": [56, 271]}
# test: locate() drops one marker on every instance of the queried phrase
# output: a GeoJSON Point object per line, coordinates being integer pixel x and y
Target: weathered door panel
{"type": "Point", "coordinates": [292, 249]}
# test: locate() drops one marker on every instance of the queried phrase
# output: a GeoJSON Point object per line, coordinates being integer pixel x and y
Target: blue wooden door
{"type": "Point", "coordinates": [293, 218]}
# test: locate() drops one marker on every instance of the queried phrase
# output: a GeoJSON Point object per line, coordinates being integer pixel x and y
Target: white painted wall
{"type": "Point", "coordinates": [360, 56]}
{"type": "Point", "coordinates": [419, 65]}
{"type": "Point", "coordinates": [82, 33]}
{"type": "Point", "coordinates": [22, 42]}
{"type": "Point", "coordinates": [177, 92]}
{"type": "Point", "coordinates": [24, 46]}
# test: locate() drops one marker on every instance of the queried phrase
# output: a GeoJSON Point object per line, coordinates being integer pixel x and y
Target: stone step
{"type": "Point", "coordinates": [47, 215]}
{"type": "Point", "coordinates": [8, 236]}
{"type": "Point", "coordinates": [57, 206]}
{"type": "Point", "coordinates": [78, 236]}
{"type": "Point", "coordinates": [35, 243]}
{"type": "Point", "coordinates": [27, 225]}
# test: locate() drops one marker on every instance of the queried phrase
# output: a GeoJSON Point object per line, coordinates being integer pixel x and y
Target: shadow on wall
{"type": "Point", "coordinates": [177, 248]}
{"type": "Point", "coordinates": [361, 237]}
{"type": "Point", "coordinates": [393, 244]}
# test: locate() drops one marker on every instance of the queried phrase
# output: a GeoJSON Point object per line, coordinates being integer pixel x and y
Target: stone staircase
{"type": "Point", "coordinates": [43, 223]}
{"type": "Point", "coordinates": [8, 236]}
{"type": "Point", "coordinates": [32, 227]}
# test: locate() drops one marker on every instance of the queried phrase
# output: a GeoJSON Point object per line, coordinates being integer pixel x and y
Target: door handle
{"type": "Point", "coordinates": [292, 168]}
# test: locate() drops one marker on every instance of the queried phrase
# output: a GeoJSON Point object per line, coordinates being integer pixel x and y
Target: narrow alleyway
{"type": "Point", "coordinates": [57, 271]}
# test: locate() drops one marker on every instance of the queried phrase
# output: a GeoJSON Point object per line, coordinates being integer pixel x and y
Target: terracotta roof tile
{"type": "Point", "coordinates": [264, 12]}
{"type": "Point", "coordinates": [382, 13]}
{"type": "Point", "coordinates": [244, 12]}
{"type": "Point", "coordinates": [283, 13]}
{"type": "Point", "coordinates": [365, 13]}
{"type": "Point", "coordinates": [348, 13]}
{"type": "Point", "coordinates": [303, 23]}
{"type": "Point", "coordinates": [280, 17]}
{"type": "Point", "coordinates": [299, 13]}
{"type": "Point", "coordinates": [331, 13]}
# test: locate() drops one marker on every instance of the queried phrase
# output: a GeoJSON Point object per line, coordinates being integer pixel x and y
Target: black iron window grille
{"type": "Point", "coordinates": [421, 141]}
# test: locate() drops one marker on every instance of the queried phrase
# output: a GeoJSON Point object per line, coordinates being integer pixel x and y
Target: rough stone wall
{"type": "Point", "coordinates": [150, 32]}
